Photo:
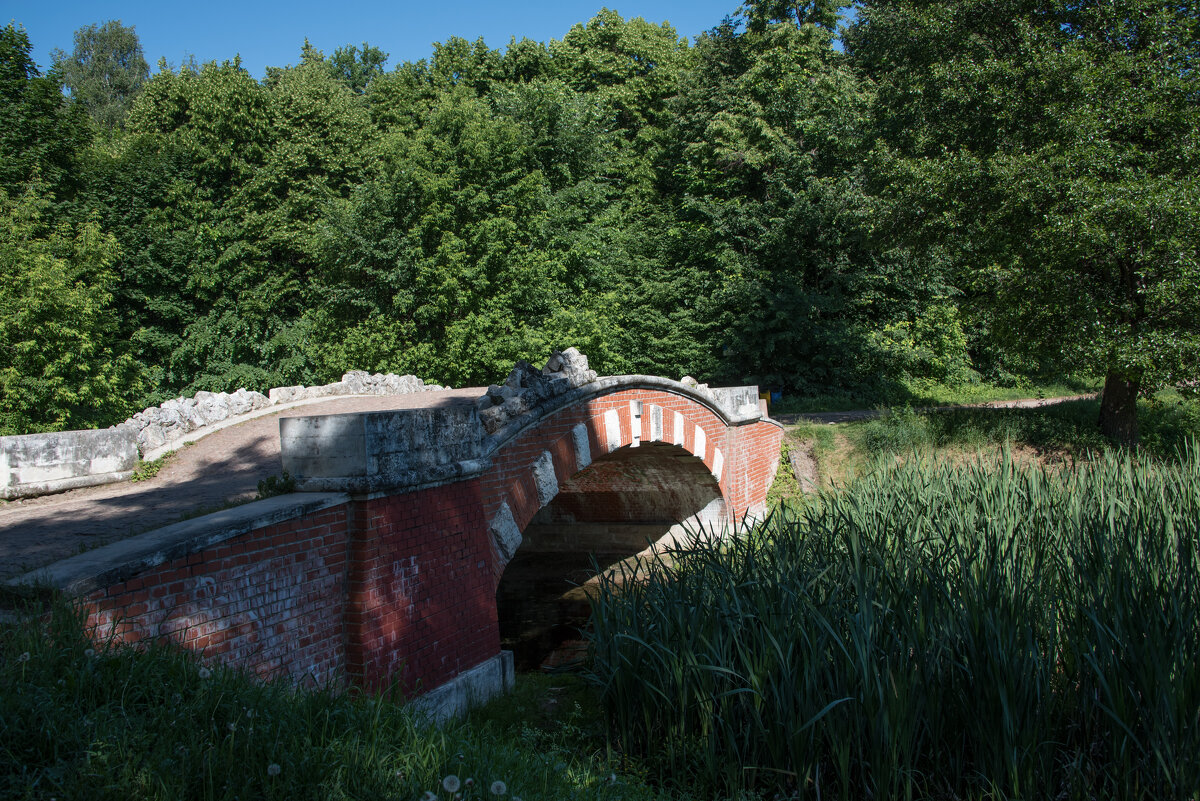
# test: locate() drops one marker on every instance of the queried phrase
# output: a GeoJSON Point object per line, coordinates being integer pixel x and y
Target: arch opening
{"type": "Point", "coordinates": [611, 512]}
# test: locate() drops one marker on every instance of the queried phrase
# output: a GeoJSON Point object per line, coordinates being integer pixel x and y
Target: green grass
{"type": "Point", "coordinates": [148, 470]}
{"type": "Point", "coordinates": [932, 631]}
{"type": "Point", "coordinates": [1068, 428]}
{"type": "Point", "coordinates": [923, 393]}
{"type": "Point", "coordinates": [81, 720]}
{"type": "Point", "coordinates": [1065, 429]}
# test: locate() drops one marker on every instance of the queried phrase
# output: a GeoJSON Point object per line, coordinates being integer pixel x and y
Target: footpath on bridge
{"type": "Point", "coordinates": [219, 470]}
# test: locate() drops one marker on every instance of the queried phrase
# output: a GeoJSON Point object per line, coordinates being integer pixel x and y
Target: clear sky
{"type": "Point", "coordinates": [271, 33]}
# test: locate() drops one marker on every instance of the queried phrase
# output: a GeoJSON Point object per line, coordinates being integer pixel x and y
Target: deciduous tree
{"type": "Point", "coordinates": [105, 71]}
{"type": "Point", "coordinates": [1052, 152]}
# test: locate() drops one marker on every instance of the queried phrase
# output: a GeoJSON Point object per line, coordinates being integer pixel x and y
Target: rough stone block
{"type": "Point", "coordinates": [583, 447]}
{"type": "Point", "coordinates": [505, 533]}
{"type": "Point", "coordinates": [545, 479]}
{"type": "Point", "coordinates": [612, 430]}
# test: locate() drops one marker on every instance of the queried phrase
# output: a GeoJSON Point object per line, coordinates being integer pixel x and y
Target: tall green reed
{"type": "Point", "coordinates": [970, 631]}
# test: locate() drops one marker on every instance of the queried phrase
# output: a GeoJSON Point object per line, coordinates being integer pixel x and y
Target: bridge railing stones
{"type": "Point", "coordinates": [37, 464]}
{"type": "Point", "coordinates": [410, 448]}
{"type": "Point", "coordinates": [40, 464]}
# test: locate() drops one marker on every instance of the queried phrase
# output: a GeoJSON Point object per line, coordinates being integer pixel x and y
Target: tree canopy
{"type": "Point", "coordinates": [942, 192]}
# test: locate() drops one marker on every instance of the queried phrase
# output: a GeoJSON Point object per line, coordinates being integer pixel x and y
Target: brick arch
{"type": "Point", "coordinates": [530, 463]}
{"type": "Point", "coordinates": [383, 569]}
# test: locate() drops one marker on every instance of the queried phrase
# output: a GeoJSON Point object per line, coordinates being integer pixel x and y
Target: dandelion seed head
{"type": "Point", "coordinates": [273, 769]}
{"type": "Point", "coordinates": [204, 673]}
{"type": "Point", "coordinates": [499, 788]}
{"type": "Point", "coordinates": [451, 783]}
{"type": "Point", "coordinates": [23, 657]}
{"type": "Point", "coordinates": [89, 653]}
{"type": "Point", "coordinates": [231, 726]}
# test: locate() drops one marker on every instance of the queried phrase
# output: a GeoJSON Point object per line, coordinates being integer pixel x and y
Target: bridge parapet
{"type": "Point", "coordinates": [406, 449]}
{"type": "Point", "coordinates": [395, 580]}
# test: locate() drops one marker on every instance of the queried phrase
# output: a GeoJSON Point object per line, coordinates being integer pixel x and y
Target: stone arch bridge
{"type": "Point", "coordinates": [384, 566]}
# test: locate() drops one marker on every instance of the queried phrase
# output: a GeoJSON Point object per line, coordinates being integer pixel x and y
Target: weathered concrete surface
{"type": "Point", "coordinates": [374, 451]}
{"type": "Point", "coordinates": [221, 469]}
{"type": "Point", "coordinates": [36, 464]}
{"type": "Point", "coordinates": [98, 568]}
{"type": "Point", "coordinates": [468, 689]}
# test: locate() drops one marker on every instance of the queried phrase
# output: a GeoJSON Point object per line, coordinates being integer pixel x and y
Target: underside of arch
{"type": "Point", "coordinates": [604, 518]}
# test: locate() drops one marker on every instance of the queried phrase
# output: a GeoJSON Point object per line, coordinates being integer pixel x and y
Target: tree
{"type": "Point", "coordinates": [1052, 153]}
{"type": "Point", "coordinates": [357, 68]}
{"type": "Point", "coordinates": [62, 364]}
{"type": "Point", "coordinates": [104, 72]}
{"type": "Point", "coordinates": [40, 135]}
{"type": "Point", "coordinates": [771, 217]}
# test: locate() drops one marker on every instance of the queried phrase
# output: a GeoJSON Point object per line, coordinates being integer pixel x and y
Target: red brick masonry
{"type": "Point", "coordinates": [398, 588]}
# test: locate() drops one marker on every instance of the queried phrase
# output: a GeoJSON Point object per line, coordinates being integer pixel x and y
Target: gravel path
{"type": "Point", "coordinates": [219, 470]}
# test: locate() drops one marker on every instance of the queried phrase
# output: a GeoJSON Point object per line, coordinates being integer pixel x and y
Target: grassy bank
{"type": "Point", "coordinates": [1062, 433]}
{"type": "Point", "coordinates": [85, 721]}
{"type": "Point", "coordinates": [933, 631]}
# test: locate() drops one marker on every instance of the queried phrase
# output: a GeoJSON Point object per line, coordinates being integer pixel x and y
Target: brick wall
{"type": "Point", "coordinates": [747, 462]}
{"type": "Point", "coordinates": [270, 600]}
{"type": "Point", "coordinates": [422, 605]}
{"type": "Point", "coordinates": [392, 589]}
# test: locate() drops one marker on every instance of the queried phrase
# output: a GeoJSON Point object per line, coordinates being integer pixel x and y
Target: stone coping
{"type": "Point", "coordinates": [118, 561]}
{"type": "Point", "coordinates": [617, 383]}
{"type": "Point", "coordinates": [204, 431]}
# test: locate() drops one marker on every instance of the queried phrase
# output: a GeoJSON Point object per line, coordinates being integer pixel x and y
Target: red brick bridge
{"type": "Point", "coordinates": [383, 568]}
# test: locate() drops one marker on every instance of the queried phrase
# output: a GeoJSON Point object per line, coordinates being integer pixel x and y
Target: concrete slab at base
{"type": "Point", "coordinates": [468, 689]}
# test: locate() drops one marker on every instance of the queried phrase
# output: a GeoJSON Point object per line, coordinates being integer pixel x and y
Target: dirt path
{"type": "Point", "coordinates": [829, 418]}
{"type": "Point", "coordinates": [219, 470]}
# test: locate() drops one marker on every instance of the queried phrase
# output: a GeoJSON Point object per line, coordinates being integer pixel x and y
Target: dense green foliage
{"type": "Point", "coordinates": [931, 631]}
{"type": "Point", "coordinates": [969, 192]}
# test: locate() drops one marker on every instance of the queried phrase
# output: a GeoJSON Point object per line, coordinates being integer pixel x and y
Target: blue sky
{"type": "Point", "coordinates": [271, 33]}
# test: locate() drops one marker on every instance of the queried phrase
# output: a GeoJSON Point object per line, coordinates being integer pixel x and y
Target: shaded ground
{"type": "Point", "coordinates": [222, 469]}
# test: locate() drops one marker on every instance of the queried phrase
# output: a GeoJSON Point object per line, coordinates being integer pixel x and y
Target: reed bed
{"type": "Point", "coordinates": [982, 631]}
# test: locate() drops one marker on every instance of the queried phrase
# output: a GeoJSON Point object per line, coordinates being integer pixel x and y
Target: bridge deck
{"type": "Point", "coordinates": [222, 469]}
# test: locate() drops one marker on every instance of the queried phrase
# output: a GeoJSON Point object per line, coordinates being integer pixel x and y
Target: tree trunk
{"type": "Point", "coordinates": [1118, 408]}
